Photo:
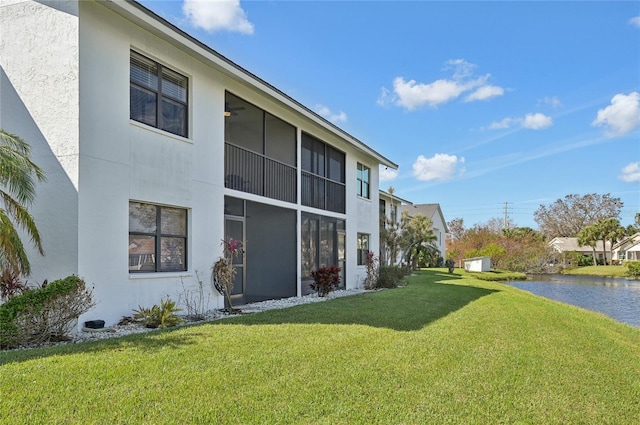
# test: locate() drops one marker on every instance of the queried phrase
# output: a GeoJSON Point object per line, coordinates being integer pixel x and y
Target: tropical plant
{"type": "Point", "coordinates": [223, 272]}
{"type": "Point", "coordinates": [589, 236]}
{"type": "Point", "coordinates": [11, 285]}
{"type": "Point", "coordinates": [18, 177]}
{"type": "Point", "coordinates": [325, 280]}
{"type": "Point", "coordinates": [611, 231]}
{"type": "Point", "coordinates": [372, 264]}
{"type": "Point", "coordinates": [389, 234]}
{"type": "Point", "coordinates": [417, 238]}
{"type": "Point", "coordinates": [159, 316]}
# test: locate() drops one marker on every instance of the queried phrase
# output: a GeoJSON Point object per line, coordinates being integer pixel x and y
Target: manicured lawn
{"type": "Point", "coordinates": [444, 349]}
{"type": "Point", "coordinates": [607, 271]}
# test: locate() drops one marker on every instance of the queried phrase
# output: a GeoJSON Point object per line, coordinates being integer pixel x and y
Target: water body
{"type": "Point", "coordinates": [617, 298]}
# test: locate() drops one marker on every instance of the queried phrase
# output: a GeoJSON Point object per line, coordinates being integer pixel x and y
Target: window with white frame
{"type": "Point", "coordinates": [158, 95]}
{"type": "Point", "coordinates": [157, 238]}
{"type": "Point", "coordinates": [363, 248]}
{"type": "Point", "coordinates": [364, 174]}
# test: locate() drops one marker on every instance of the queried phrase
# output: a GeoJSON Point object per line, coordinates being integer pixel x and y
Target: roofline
{"type": "Point", "coordinates": [384, 192]}
{"type": "Point", "coordinates": [140, 15]}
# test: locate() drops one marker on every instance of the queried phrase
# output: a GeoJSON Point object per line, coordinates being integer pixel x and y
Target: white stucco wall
{"type": "Point", "coordinates": [39, 77]}
{"type": "Point", "coordinates": [65, 88]}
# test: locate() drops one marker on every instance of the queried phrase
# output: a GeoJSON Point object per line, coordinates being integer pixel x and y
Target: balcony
{"type": "Point", "coordinates": [251, 172]}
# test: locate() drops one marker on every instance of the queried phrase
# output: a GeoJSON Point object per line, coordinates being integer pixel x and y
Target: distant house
{"type": "Point", "coordinates": [565, 245]}
{"type": "Point", "coordinates": [628, 249]}
{"type": "Point", "coordinates": [389, 213]}
{"type": "Point", "coordinates": [433, 212]}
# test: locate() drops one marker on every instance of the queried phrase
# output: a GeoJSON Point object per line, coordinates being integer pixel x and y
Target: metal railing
{"type": "Point", "coordinates": [251, 172]}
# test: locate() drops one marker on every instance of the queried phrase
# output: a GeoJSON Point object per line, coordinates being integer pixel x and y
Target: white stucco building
{"type": "Point", "coordinates": [156, 148]}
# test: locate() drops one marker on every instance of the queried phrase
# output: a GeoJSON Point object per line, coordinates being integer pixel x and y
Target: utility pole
{"type": "Point", "coordinates": [506, 216]}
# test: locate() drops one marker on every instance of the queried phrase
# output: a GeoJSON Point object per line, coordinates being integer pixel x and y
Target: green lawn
{"type": "Point", "coordinates": [606, 271]}
{"type": "Point", "coordinates": [443, 349]}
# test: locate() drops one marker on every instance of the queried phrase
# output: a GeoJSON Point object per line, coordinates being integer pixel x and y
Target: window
{"type": "Point", "coordinates": [322, 175]}
{"type": "Point", "coordinates": [157, 96]}
{"type": "Point", "coordinates": [363, 248]}
{"type": "Point", "coordinates": [363, 180]}
{"type": "Point", "coordinates": [157, 232]}
{"type": "Point", "coordinates": [323, 244]}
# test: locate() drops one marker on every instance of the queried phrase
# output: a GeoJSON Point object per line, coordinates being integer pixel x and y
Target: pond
{"type": "Point", "coordinates": [615, 297]}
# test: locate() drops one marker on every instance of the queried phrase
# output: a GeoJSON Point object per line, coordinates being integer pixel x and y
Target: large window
{"type": "Point", "coordinates": [363, 248]}
{"type": "Point", "coordinates": [157, 238]}
{"type": "Point", "coordinates": [323, 243]}
{"type": "Point", "coordinates": [322, 175]}
{"type": "Point", "coordinates": [157, 96]}
{"type": "Point", "coordinates": [363, 180]}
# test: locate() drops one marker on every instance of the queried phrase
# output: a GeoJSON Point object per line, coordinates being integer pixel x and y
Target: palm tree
{"type": "Point", "coordinates": [589, 236]}
{"type": "Point", "coordinates": [417, 237]}
{"type": "Point", "coordinates": [18, 177]}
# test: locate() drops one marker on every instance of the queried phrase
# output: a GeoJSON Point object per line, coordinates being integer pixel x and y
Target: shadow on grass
{"type": "Point", "coordinates": [422, 301]}
{"type": "Point", "coordinates": [405, 309]}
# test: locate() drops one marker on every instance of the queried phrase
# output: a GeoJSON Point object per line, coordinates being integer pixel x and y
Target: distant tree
{"type": "Point", "coordinates": [611, 231]}
{"type": "Point", "coordinates": [390, 235]}
{"type": "Point", "coordinates": [496, 225]}
{"type": "Point", "coordinates": [417, 237]}
{"type": "Point", "coordinates": [18, 177]}
{"type": "Point", "coordinates": [589, 236]}
{"type": "Point", "coordinates": [456, 229]}
{"type": "Point", "coordinates": [566, 217]}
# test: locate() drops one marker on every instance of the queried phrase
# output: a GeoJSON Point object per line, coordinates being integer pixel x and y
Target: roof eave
{"type": "Point", "coordinates": [140, 15]}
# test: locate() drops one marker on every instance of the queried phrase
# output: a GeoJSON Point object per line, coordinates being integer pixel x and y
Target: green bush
{"type": "Point", "coordinates": [43, 314]}
{"type": "Point", "coordinates": [633, 269]}
{"type": "Point", "coordinates": [390, 276]}
{"type": "Point", "coordinates": [158, 316]}
{"type": "Point", "coordinates": [325, 280]}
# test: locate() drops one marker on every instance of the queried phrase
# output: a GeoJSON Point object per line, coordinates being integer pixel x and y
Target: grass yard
{"type": "Point", "coordinates": [443, 349]}
{"type": "Point", "coordinates": [605, 271]}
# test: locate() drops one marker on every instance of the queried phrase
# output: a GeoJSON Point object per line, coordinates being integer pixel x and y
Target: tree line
{"type": "Point", "coordinates": [589, 218]}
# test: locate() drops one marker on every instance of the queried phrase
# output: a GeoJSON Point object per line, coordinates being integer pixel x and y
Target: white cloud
{"type": "Point", "coordinates": [622, 116]}
{"type": "Point", "coordinates": [532, 121]}
{"type": "Point", "coordinates": [217, 15]}
{"type": "Point", "coordinates": [536, 121]}
{"type": "Point", "coordinates": [439, 167]}
{"type": "Point", "coordinates": [484, 93]}
{"type": "Point", "coordinates": [504, 123]}
{"type": "Point", "coordinates": [411, 94]}
{"type": "Point", "coordinates": [552, 101]}
{"type": "Point", "coordinates": [334, 118]}
{"type": "Point", "coordinates": [631, 173]}
{"type": "Point", "coordinates": [635, 21]}
{"type": "Point", "coordinates": [387, 174]}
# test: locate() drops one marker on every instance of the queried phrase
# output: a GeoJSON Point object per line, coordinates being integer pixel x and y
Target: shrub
{"type": "Point", "coordinates": [450, 264]}
{"type": "Point", "coordinates": [11, 285]}
{"type": "Point", "coordinates": [325, 280]}
{"type": "Point", "coordinates": [633, 269]}
{"type": "Point", "coordinates": [390, 276]}
{"type": "Point", "coordinates": [195, 299]}
{"type": "Point", "coordinates": [43, 314]}
{"type": "Point", "coordinates": [372, 271]}
{"type": "Point", "coordinates": [158, 316]}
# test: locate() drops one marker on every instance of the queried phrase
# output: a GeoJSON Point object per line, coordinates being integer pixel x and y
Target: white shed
{"type": "Point", "coordinates": [477, 264]}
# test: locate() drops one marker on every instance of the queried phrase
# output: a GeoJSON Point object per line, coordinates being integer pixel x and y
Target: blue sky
{"type": "Point", "coordinates": [479, 103]}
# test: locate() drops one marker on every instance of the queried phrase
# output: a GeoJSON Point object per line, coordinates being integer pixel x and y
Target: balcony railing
{"type": "Point", "coordinates": [322, 193]}
{"type": "Point", "coordinates": [255, 173]}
